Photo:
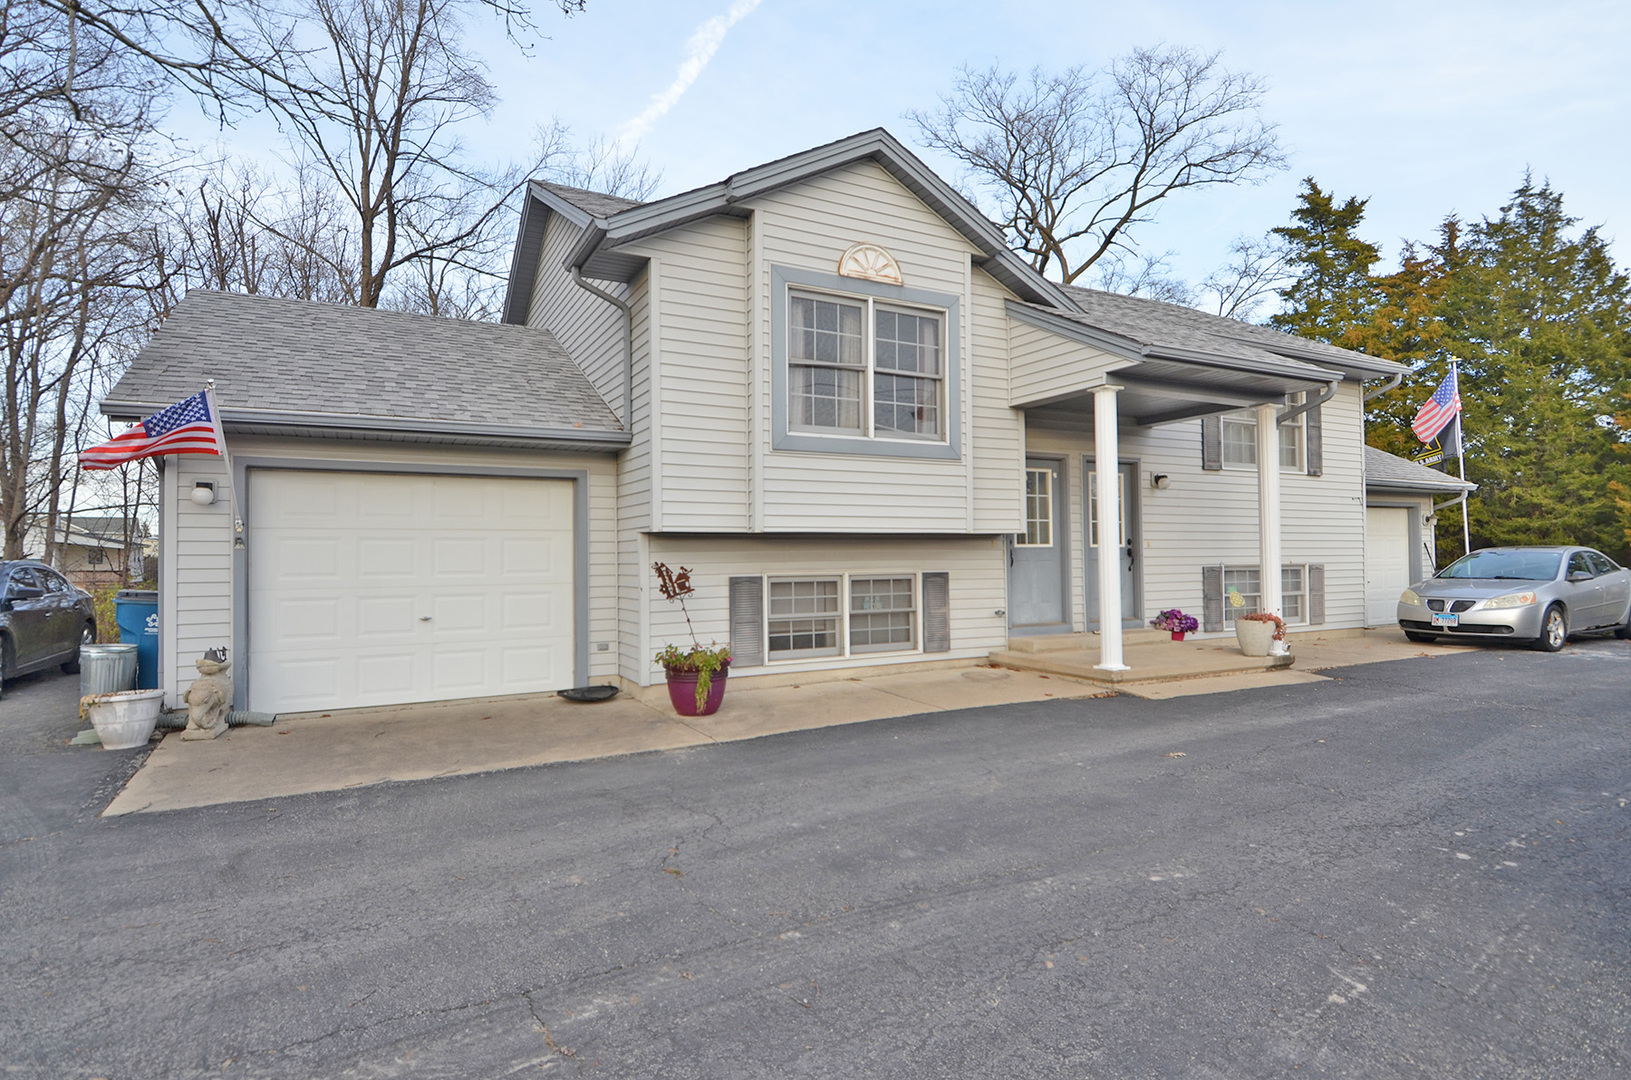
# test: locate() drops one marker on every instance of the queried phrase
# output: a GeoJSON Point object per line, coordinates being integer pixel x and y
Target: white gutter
{"type": "Point", "coordinates": [1392, 384]}
{"type": "Point", "coordinates": [628, 341]}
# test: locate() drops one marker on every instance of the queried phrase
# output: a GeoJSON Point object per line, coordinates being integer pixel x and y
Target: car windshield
{"type": "Point", "coordinates": [1512, 565]}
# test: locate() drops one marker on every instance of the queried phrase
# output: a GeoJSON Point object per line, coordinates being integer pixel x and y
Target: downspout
{"type": "Point", "coordinates": [628, 342]}
{"type": "Point", "coordinates": [1391, 384]}
{"type": "Point", "coordinates": [1287, 415]}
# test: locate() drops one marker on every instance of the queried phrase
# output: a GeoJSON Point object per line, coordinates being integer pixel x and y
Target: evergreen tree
{"type": "Point", "coordinates": [1542, 323]}
{"type": "Point", "coordinates": [1333, 296]}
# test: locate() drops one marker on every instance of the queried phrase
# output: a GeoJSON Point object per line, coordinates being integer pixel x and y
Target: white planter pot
{"type": "Point", "coordinates": [1254, 637]}
{"type": "Point", "coordinates": [124, 720]}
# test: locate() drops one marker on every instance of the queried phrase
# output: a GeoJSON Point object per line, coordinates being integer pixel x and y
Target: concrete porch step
{"type": "Point", "coordinates": [1046, 643]}
{"type": "Point", "coordinates": [1146, 661]}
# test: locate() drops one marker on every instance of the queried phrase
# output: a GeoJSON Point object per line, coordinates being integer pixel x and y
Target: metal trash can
{"type": "Point", "coordinates": [137, 613]}
{"type": "Point", "coordinates": [106, 669]}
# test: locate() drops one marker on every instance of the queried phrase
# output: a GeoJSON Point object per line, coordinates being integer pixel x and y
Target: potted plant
{"type": "Point", "coordinates": [1257, 631]}
{"type": "Point", "coordinates": [1177, 623]}
{"type": "Point", "coordinates": [696, 676]}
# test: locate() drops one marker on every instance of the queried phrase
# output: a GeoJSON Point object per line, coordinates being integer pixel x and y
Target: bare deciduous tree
{"type": "Point", "coordinates": [1071, 162]}
{"type": "Point", "coordinates": [1255, 270]}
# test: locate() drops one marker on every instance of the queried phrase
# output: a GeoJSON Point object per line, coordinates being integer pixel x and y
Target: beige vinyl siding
{"type": "Point", "coordinates": [702, 284]}
{"type": "Point", "coordinates": [977, 568]}
{"type": "Point", "coordinates": [1207, 518]}
{"type": "Point", "coordinates": [634, 504]}
{"type": "Point", "coordinates": [996, 447]}
{"type": "Point", "coordinates": [196, 601]}
{"type": "Point", "coordinates": [1047, 367]}
{"type": "Point", "coordinates": [810, 226]}
{"type": "Point", "coordinates": [588, 328]}
{"type": "Point", "coordinates": [200, 588]}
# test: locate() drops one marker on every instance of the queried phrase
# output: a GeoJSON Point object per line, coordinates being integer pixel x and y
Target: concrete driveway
{"type": "Point", "coordinates": [342, 750]}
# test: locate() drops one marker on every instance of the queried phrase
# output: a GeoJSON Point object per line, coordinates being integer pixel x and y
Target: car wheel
{"type": "Point", "coordinates": [1417, 636]}
{"type": "Point", "coordinates": [87, 636]}
{"type": "Point", "coordinates": [5, 662]}
{"type": "Point", "coordinates": [1623, 630]}
{"type": "Point", "coordinates": [1554, 630]}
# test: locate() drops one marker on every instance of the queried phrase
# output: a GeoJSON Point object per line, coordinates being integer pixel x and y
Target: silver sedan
{"type": "Point", "coordinates": [1538, 594]}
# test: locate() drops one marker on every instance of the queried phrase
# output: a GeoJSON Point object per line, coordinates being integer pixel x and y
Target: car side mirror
{"type": "Point", "coordinates": [1580, 575]}
{"type": "Point", "coordinates": [24, 592]}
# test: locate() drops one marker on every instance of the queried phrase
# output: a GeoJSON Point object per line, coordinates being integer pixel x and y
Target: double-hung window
{"type": "Point", "coordinates": [1240, 439]}
{"type": "Point", "coordinates": [842, 616]}
{"type": "Point", "coordinates": [1243, 592]}
{"type": "Point", "coordinates": [863, 367]}
{"type": "Point", "coordinates": [858, 366]}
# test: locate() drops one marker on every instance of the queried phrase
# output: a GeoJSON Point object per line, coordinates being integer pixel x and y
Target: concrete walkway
{"type": "Point", "coordinates": [333, 751]}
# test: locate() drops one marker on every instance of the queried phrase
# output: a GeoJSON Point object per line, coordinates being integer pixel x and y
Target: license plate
{"type": "Point", "coordinates": [1441, 618]}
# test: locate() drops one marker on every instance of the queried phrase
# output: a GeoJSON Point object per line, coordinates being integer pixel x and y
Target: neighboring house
{"type": "Point", "coordinates": [91, 551]}
{"type": "Point", "coordinates": [823, 385]}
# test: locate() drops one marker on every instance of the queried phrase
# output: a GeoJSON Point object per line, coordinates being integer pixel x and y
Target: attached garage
{"type": "Point", "coordinates": [1400, 540]}
{"type": "Point", "coordinates": [1388, 566]}
{"type": "Point", "coordinates": [379, 588]}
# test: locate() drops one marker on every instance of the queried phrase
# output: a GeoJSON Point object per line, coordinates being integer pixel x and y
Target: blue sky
{"type": "Point", "coordinates": [1424, 107]}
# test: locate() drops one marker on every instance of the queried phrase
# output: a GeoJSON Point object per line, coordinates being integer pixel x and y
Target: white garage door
{"type": "Point", "coordinates": [1387, 562]}
{"type": "Point", "coordinates": [380, 589]}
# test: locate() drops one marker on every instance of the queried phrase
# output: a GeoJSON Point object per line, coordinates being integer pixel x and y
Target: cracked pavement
{"type": "Point", "coordinates": [1419, 869]}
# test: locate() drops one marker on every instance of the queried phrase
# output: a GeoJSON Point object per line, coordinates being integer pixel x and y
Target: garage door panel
{"type": "Point", "coordinates": [384, 678]}
{"type": "Point", "coordinates": [376, 557]}
{"type": "Point", "coordinates": [337, 599]}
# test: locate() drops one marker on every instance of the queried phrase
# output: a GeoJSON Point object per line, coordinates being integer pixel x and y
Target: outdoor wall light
{"type": "Point", "coordinates": [1430, 520]}
{"type": "Point", "coordinates": [203, 493]}
{"type": "Point", "coordinates": [1160, 481]}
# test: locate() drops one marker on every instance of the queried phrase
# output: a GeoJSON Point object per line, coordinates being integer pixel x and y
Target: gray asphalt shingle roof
{"type": "Point", "coordinates": [594, 203]}
{"type": "Point", "coordinates": [1385, 470]}
{"type": "Point", "coordinates": [273, 359]}
{"type": "Point", "coordinates": [1157, 323]}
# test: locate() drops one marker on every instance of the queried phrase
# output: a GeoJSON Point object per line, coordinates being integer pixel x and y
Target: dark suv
{"type": "Point", "coordinates": [43, 620]}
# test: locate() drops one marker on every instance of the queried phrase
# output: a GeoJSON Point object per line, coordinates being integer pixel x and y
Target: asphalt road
{"type": "Point", "coordinates": [1419, 870]}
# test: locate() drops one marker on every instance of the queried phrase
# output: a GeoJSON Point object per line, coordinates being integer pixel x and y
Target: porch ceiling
{"type": "Point", "coordinates": [1166, 391]}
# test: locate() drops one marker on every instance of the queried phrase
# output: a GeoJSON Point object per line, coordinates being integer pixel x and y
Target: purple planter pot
{"type": "Point", "coordinates": [682, 691]}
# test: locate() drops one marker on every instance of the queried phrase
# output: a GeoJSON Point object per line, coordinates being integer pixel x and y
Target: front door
{"type": "Point", "coordinates": [1123, 547]}
{"type": "Point", "coordinates": [1036, 557]}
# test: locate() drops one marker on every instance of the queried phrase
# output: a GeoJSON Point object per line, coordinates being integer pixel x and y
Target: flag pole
{"type": "Point", "coordinates": [1461, 454]}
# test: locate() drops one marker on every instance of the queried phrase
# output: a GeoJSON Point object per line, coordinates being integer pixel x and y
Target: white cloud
{"type": "Point", "coordinates": [699, 50]}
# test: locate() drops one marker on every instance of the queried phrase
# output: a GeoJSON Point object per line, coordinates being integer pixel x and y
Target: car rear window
{"type": "Point", "coordinates": [1510, 565]}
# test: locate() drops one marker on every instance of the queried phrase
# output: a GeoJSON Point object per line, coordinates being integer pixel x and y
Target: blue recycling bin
{"type": "Point", "coordinates": [137, 613]}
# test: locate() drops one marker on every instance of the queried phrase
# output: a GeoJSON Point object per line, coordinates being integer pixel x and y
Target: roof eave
{"type": "Point", "coordinates": [877, 145]}
{"type": "Point", "coordinates": [387, 425]}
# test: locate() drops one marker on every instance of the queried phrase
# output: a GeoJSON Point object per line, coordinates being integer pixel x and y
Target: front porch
{"type": "Point", "coordinates": [1149, 655]}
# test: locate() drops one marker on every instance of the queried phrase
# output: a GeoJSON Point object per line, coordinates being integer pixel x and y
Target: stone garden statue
{"type": "Point", "coordinates": [209, 697]}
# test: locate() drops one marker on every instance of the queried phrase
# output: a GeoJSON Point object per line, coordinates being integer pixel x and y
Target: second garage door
{"type": "Point", "coordinates": [1387, 562]}
{"type": "Point", "coordinates": [380, 589]}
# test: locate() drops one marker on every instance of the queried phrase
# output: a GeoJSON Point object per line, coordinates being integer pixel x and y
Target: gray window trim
{"type": "Point", "coordinates": [781, 279]}
{"type": "Point", "coordinates": [240, 555]}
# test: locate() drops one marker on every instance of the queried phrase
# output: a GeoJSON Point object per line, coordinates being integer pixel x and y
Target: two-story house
{"type": "Point", "coordinates": [873, 434]}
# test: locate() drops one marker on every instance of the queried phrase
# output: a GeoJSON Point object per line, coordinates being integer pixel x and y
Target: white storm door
{"type": "Point", "coordinates": [1387, 562]}
{"type": "Point", "coordinates": [384, 589]}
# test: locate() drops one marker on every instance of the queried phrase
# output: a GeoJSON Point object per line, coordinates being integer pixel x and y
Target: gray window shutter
{"type": "Point", "coordinates": [1212, 443]}
{"type": "Point", "coordinates": [937, 612]}
{"type": "Point", "coordinates": [1316, 595]}
{"type": "Point", "coordinates": [747, 621]}
{"type": "Point", "coordinates": [1312, 428]}
{"type": "Point", "coordinates": [1211, 598]}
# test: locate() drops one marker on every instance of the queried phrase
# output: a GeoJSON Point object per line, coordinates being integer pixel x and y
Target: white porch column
{"type": "Point", "coordinates": [1268, 507]}
{"type": "Point", "coordinates": [1107, 468]}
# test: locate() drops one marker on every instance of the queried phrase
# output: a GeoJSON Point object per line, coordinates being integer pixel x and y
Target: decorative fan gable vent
{"type": "Point", "coordinates": [871, 262]}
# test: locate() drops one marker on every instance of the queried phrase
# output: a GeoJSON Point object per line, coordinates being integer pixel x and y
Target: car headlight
{"type": "Point", "coordinates": [1517, 599]}
{"type": "Point", "coordinates": [1411, 597]}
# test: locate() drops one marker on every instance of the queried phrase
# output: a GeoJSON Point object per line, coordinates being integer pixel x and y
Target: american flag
{"type": "Point", "coordinates": [1437, 410]}
{"type": "Point", "coordinates": [187, 427]}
